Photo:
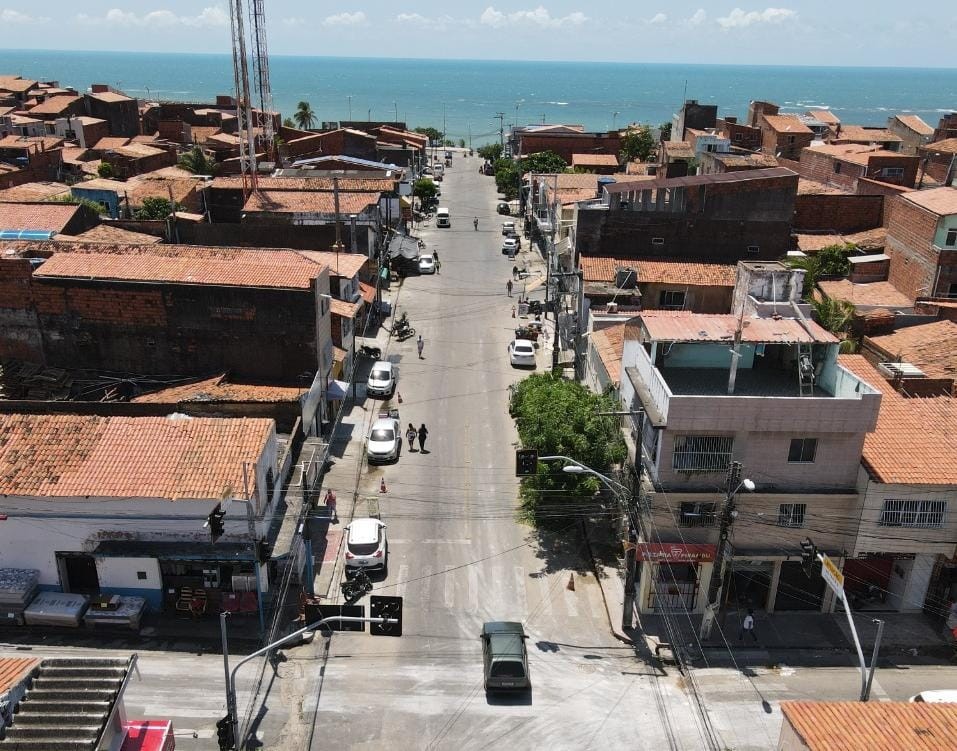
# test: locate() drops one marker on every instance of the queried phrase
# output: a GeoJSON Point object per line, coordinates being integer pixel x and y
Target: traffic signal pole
{"type": "Point", "coordinates": [231, 705]}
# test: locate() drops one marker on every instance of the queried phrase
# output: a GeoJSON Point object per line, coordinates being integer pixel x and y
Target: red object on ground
{"type": "Point", "coordinates": [148, 735]}
{"type": "Point", "coordinates": [382, 487]}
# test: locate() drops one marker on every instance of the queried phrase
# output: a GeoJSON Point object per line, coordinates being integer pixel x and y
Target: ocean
{"type": "Point", "coordinates": [464, 97]}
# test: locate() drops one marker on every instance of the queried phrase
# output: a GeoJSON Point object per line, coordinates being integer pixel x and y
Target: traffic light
{"type": "Point", "coordinates": [224, 733]}
{"type": "Point", "coordinates": [215, 523]}
{"type": "Point", "coordinates": [385, 607]}
{"type": "Point", "coordinates": [263, 551]}
{"type": "Point", "coordinates": [526, 462]}
{"type": "Point", "coordinates": [808, 555]}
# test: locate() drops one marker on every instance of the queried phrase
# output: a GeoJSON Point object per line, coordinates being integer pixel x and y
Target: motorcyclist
{"type": "Point", "coordinates": [475, 223]}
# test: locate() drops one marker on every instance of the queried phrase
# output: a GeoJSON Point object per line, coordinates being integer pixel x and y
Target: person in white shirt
{"type": "Point", "coordinates": [747, 626]}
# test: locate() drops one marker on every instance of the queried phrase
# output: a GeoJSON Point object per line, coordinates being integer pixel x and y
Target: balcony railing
{"type": "Point", "coordinates": [654, 382]}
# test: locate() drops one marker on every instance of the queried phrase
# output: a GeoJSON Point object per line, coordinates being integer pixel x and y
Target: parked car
{"type": "Point", "coordinates": [381, 381]}
{"type": "Point", "coordinates": [385, 440]}
{"type": "Point", "coordinates": [503, 208]}
{"type": "Point", "coordinates": [521, 353]}
{"type": "Point", "coordinates": [426, 265]}
{"type": "Point", "coordinates": [505, 656]}
{"type": "Point", "coordinates": [508, 228]}
{"type": "Point", "coordinates": [516, 237]}
{"type": "Point", "coordinates": [936, 696]}
{"type": "Point", "coordinates": [510, 246]}
{"type": "Point", "coordinates": [367, 547]}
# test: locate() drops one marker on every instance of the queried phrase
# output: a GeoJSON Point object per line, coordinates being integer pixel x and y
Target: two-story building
{"type": "Point", "coordinates": [842, 165]}
{"type": "Point", "coordinates": [768, 392]}
{"type": "Point", "coordinates": [912, 131]}
{"type": "Point", "coordinates": [922, 242]}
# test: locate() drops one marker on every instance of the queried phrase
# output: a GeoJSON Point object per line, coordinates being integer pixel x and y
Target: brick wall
{"type": "Point", "coordinates": [19, 329]}
{"type": "Point", "coordinates": [779, 144]}
{"type": "Point", "coordinates": [566, 144]}
{"type": "Point", "coordinates": [910, 234]}
{"type": "Point", "coordinates": [742, 136]}
{"type": "Point", "coordinates": [837, 212]}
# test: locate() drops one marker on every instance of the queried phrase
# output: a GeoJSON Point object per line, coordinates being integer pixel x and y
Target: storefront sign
{"type": "Point", "coordinates": [675, 552]}
{"type": "Point", "coordinates": [832, 575]}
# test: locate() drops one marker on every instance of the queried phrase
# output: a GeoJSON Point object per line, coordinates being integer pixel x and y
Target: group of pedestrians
{"type": "Point", "coordinates": [411, 434]}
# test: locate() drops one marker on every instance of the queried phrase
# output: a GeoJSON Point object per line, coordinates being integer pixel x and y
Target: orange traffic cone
{"type": "Point", "coordinates": [382, 487]}
{"type": "Point", "coordinates": [571, 583]}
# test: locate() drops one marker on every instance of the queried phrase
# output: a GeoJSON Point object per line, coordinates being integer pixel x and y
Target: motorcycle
{"type": "Point", "coordinates": [403, 332]}
{"type": "Point", "coordinates": [373, 353]}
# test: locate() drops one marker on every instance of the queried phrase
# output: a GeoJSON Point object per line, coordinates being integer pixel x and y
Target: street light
{"type": "Point", "coordinates": [349, 97]}
{"type": "Point", "coordinates": [614, 119]}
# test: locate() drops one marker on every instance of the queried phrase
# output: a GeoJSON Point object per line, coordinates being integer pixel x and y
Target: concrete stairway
{"type": "Point", "coordinates": [66, 706]}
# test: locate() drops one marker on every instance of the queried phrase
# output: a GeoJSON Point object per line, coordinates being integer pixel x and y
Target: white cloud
{"type": "Point", "coordinates": [7, 15]}
{"type": "Point", "coordinates": [658, 18]}
{"type": "Point", "coordinates": [346, 19]}
{"type": "Point", "coordinates": [698, 17]}
{"type": "Point", "coordinates": [538, 17]}
{"type": "Point", "coordinates": [292, 21]}
{"type": "Point", "coordinates": [417, 18]}
{"type": "Point", "coordinates": [209, 17]}
{"type": "Point", "coordinates": [739, 18]}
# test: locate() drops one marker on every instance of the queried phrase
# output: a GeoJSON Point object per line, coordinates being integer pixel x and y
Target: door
{"type": "Point", "coordinates": [81, 576]}
{"type": "Point", "coordinates": [750, 584]}
{"type": "Point", "coordinates": [796, 591]}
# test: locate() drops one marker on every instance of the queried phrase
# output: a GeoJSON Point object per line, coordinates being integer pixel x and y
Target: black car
{"type": "Point", "coordinates": [503, 208]}
{"type": "Point", "coordinates": [505, 656]}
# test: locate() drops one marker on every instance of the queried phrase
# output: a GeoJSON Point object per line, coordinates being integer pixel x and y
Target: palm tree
{"type": "Point", "coordinates": [304, 116]}
{"type": "Point", "coordinates": [196, 161]}
{"type": "Point", "coordinates": [836, 316]}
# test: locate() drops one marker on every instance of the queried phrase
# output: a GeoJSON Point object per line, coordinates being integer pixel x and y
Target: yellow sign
{"type": "Point", "coordinates": [831, 574]}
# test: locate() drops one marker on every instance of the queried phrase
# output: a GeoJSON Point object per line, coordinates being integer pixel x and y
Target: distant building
{"type": "Point", "coordinates": [865, 136]}
{"type": "Point", "coordinates": [912, 131]}
{"type": "Point", "coordinates": [784, 136]}
{"type": "Point", "coordinates": [707, 141]}
{"type": "Point", "coordinates": [599, 164]}
{"type": "Point", "coordinates": [843, 165]}
{"type": "Point", "coordinates": [675, 158]}
{"type": "Point", "coordinates": [740, 135]}
{"type": "Point", "coordinates": [693, 115]}
{"type": "Point", "coordinates": [718, 162]}
{"type": "Point", "coordinates": [922, 243]}
{"type": "Point", "coordinates": [120, 111]}
{"type": "Point", "coordinates": [564, 141]}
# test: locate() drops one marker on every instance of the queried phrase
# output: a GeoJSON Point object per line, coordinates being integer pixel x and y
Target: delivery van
{"type": "Point", "coordinates": [442, 218]}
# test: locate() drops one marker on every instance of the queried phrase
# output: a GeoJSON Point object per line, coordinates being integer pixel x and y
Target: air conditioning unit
{"type": "Point", "coordinates": [612, 307]}
{"type": "Point", "coordinates": [900, 370]}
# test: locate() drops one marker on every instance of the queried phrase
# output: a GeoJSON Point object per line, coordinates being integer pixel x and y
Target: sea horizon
{"type": "Point", "coordinates": [466, 96]}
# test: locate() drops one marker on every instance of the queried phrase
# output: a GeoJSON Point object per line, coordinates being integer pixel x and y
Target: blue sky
{"type": "Point", "coordinates": [794, 32]}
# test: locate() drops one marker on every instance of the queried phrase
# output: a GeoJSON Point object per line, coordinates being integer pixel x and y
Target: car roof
{"type": "Point", "coordinates": [389, 423]}
{"type": "Point", "coordinates": [526, 342]}
{"type": "Point", "coordinates": [502, 627]}
{"type": "Point", "coordinates": [364, 530]}
{"type": "Point", "coordinates": [382, 365]}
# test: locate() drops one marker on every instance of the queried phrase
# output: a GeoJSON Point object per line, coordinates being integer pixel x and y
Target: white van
{"type": "Point", "coordinates": [442, 218]}
{"type": "Point", "coordinates": [438, 169]}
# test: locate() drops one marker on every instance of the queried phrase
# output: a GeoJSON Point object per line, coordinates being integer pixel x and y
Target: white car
{"type": "Point", "coordinates": [366, 546]}
{"type": "Point", "coordinates": [426, 265]}
{"type": "Point", "coordinates": [385, 440]}
{"type": "Point", "coordinates": [510, 246]}
{"type": "Point", "coordinates": [521, 352]}
{"type": "Point", "coordinates": [381, 381]}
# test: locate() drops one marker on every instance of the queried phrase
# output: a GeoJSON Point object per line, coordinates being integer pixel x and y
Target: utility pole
{"type": "Point", "coordinates": [501, 128]}
{"type": "Point", "coordinates": [728, 514]}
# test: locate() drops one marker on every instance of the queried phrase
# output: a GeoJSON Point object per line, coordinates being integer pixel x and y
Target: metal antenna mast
{"type": "Point", "coordinates": [261, 75]}
{"type": "Point", "coordinates": [247, 143]}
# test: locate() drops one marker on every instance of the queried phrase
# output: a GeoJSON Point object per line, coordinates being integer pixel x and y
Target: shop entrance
{"type": "Point", "coordinates": [674, 586]}
{"type": "Point", "coordinates": [750, 584]}
{"type": "Point", "coordinates": [796, 591]}
{"type": "Point", "coordinates": [78, 573]}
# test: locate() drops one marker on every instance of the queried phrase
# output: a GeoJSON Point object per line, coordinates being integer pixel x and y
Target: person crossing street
{"type": "Point", "coordinates": [420, 345]}
{"type": "Point", "coordinates": [508, 287]}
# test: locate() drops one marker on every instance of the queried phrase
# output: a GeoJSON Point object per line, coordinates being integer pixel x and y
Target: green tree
{"type": "Point", "coordinates": [829, 261]}
{"type": "Point", "coordinates": [665, 129]}
{"type": "Point", "coordinates": [490, 151]}
{"type": "Point", "coordinates": [196, 161]}
{"type": "Point", "coordinates": [304, 116]}
{"type": "Point", "coordinates": [434, 135]}
{"type": "Point", "coordinates": [544, 161]}
{"type": "Point", "coordinates": [561, 417]}
{"type": "Point", "coordinates": [507, 175]}
{"type": "Point", "coordinates": [424, 189]}
{"type": "Point", "coordinates": [155, 208]}
{"type": "Point", "coordinates": [461, 143]}
{"type": "Point", "coordinates": [637, 144]}
{"type": "Point", "coordinates": [96, 208]}
{"type": "Point", "coordinates": [288, 123]}
{"type": "Point", "coordinates": [105, 170]}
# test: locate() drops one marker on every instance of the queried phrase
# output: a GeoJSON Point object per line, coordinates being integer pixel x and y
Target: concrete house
{"type": "Point", "coordinates": [842, 165]}
{"type": "Point", "coordinates": [116, 505]}
{"type": "Point", "coordinates": [922, 242]}
{"type": "Point", "coordinates": [770, 393]}
{"type": "Point", "coordinates": [912, 131]}
{"type": "Point", "coordinates": [784, 136]}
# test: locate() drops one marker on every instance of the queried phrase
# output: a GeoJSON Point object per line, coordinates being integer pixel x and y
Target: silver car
{"type": "Point", "coordinates": [381, 381]}
{"type": "Point", "coordinates": [385, 440]}
{"type": "Point", "coordinates": [521, 353]}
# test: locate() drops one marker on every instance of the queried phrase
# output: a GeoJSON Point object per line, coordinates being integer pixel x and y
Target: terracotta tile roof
{"type": "Point", "coordinates": [14, 669]}
{"type": "Point", "coordinates": [872, 726]}
{"type": "Point", "coordinates": [915, 124]}
{"type": "Point", "coordinates": [786, 124]}
{"type": "Point", "coordinates": [883, 294]}
{"type": "Point", "coordinates": [107, 233]}
{"type": "Point", "coordinates": [678, 149]}
{"type": "Point", "coordinates": [594, 160]}
{"type": "Point", "coordinates": [856, 153]}
{"type": "Point", "coordinates": [914, 441]}
{"type": "Point", "coordinates": [202, 132]}
{"type": "Point", "coordinates": [140, 188]}
{"type": "Point", "coordinates": [825, 116]}
{"type": "Point", "coordinates": [609, 344]}
{"type": "Point", "coordinates": [343, 308]}
{"type": "Point", "coordinates": [345, 265]}
{"type": "Point", "coordinates": [217, 389]}
{"type": "Point", "coordinates": [941, 201]}
{"type": "Point", "coordinates": [75, 154]}
{"type": "Point", "coordinates": [868, 239]}
{"type": "Point", "coordinates": [948, 145]}
{"type": "Point", "coordinates": [175, 458]}
{"type": "Point", "coordinates": [308, 202]}
{"type": "Point", "coordinates": [111, 96]}
{"type": "Point", "coordinates": [814, 188]}
{"type": "Point", "coordinates": [109, 143]}
{"type": "Point", "coordinates": [54, 105]}
{"type": "Point", "coordinates": [866, 135]}
{"type": "Point", "coordinates": [731, 159]}
{"type": "Point", "coordinates": [814, 243]}
{"type": "Point", "coordinates": [16, 84]}
{"type": "Point", "coordinates": [346, 184]}
{"type": "Point", "coordinates": [39, 216]}
{"type": "Point", "coordinates": [31, 143]}
{"type": "Point", "coordinates": [184, 264]}
{"type": "Point", "coordinates": [660, 271]}
{"type": "Point", "coordinates": [32, 192]}
{"type": "Point", "coordinates": [368, 292]}
{"type": "Point", "coordinates": [684, 326]}
{"type": "Point", "coordinates": [136, 150]}
{"type": "Point", "coordinates": [932, 347]}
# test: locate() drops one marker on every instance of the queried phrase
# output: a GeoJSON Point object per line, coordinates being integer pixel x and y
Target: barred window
{"type": "Point", "coordinates": [802, 450]}
{"type": "Point", "coordinates": [697, 515]}
{"type": "Point", "coordinates": [926, 514]}
{"type": "Point", "coordinates": [791, 514]}
{"type": "Point", "coordinates": [702, 453]}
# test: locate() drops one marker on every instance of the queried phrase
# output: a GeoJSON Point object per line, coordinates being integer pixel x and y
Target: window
{"type": "Point", "coordinates": [951, 240]}
{"type": "Point", "coordinates": [791, 514]}
{"type": "Point", "coordinates": [697, 515]}
{"type": "Point", "coordinates": [711, 147]}
{"type": "Point", "coordinates": [141, 576]}
{"type": "Point", "coordinates": [702, 453]}
{"type": "Point", "coordinates": [754, 249]}
{"type": "Point", "coordinates": [837, 167]}
{"type": "Point", "coordinates": [791, 139]}
{"type": "Point", "coordinates": [737, 136]}
{"type": "Point", "coordinates": [802, 450]}
{"type": "Point", "coordinates": [657, 241]}
{"type": "Point", "coordinates": [893, 171]}
{"type": "Point", "coordinates": [952, 292]}
{"type": "Point", "coordinates": [925, 514]}
{"type": "Point", "coordinates": [672, 299]}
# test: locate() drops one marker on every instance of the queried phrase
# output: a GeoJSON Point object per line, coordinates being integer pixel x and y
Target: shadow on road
{"type": "Point", "coordinates": [518, 699]}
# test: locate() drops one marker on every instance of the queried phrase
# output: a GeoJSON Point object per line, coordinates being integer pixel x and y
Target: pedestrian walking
{"type": "Point", "coordinates": [475, 223]}
{"type": "Point", "coordinates": [423, 434]}
{"type": "Point", "coordinates": [514, 272]}
{"type": "Point", "coordinates": [438, 267]}
{"type": "Point", "coordinates": [747, 626]}
{"type": "Point", "coordinates": [411, 434]}
{"type": "Point", "coordinates": [508, 287]}
{"type": "Point", "coordinates": [420, 345]}
{"type": "Point", "coordinates": [330, 501]}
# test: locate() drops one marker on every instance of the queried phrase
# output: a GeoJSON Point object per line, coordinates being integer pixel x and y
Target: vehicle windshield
{"type": "Point", "coordinates": [508, 669]}
{"type": "Point", "coordinates": [383, 434]}
{"type": "Point", "coordinates": [380, 375]}
{"type": "Point", "coordinates": [523, 349]}
{"type": "Point", "coordinates": [363, 548]}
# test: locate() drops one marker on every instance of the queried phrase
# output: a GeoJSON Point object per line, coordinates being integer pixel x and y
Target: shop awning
{"type": "Point", "coordinates": [175, 551]}
{"type": "Point", "coordinates": [337, 390]}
